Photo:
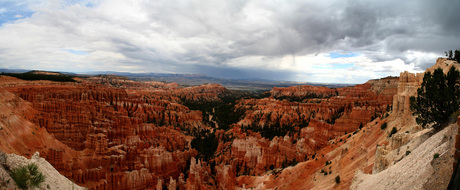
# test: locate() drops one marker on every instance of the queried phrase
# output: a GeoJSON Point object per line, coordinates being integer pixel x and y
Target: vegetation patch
{"type": "Point", "coordinates": [437, 98]}
{"type": "Point", "coordinates": [393, 131]}
{"type": "Point", "coordinates": [271, 131]}
{"type": "Point", "coordinates": [275, 128]}
{"type": "Point", "coordinates": [407, 152]}
{"type": "Point", "coordinates": [453, 55]}
{"type": "Point", "coordinates": [223, 112]}
{"type": "Point", "coordinates": [384, 126]}
{"type": "Point", "coordinates": [27, 176]}
{"type": "Point", "coordinates": [307, 96]}
{"type": "Point", "coordinates": [339, 113]}
{"type": "Point", "coordinates": [206, 144]}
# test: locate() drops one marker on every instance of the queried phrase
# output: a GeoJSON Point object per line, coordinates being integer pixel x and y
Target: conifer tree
{"type": "Point", "coordinates": [437, 98]}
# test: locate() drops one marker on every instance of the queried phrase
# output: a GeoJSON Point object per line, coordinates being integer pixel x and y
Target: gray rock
{"type": "Point", "coordinates": [2, 158]}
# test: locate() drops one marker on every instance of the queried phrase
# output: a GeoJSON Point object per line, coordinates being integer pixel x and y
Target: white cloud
{"type": "Point", "coordinates": [292, 38]}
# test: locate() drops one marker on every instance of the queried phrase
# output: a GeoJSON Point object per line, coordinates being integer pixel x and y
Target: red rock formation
{"type": "Point", "coordinates": [55, 158]}
{"type": "Point", "coordinates": [346, 156]}
{"type": "Point", "coordinates": [97, 143]}
{"type": "Point", "coordinates": [113, 133]}
{"type": "Point", "coordinates": [117, 148]}
{"type": "Point", "coordinates": [408, 85]}
{"type": "Point", "coordinates": [316, 120]}
{"type": "Point", "coordinates": [199, 176]}
{"type": "Point", "coordinates": [303, 92]}
{"type": "Point", "coordinates": [225, 177]}
{"type": "Point", "coordinates": [20, 136]}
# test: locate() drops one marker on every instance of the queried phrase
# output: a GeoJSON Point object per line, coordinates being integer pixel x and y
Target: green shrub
{"type": "Point", "coordinates": [407, 152]}
{"type": "Point", "coordinates": [36, 177]}
{"type": "Point", "coordinates": [206, 144]}
{"type": "Point", "coordinates": [27, 176]}
{"type": "Point", "coordinates": [21, 177]}
{"type": "Point", "coordinates": [435, 156]}
{"type": "Point", "coordinates": [393, 131]}
{"type": "Point", "coordinates": [337, 179]}
{"type": "Point", "coordinates": [383, 126]}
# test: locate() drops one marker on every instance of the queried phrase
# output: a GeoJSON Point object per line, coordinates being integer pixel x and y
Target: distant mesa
{"type": "Point", "coordinates": [42, 75]}
{"type": "Point", "coordinates": [37, 72]}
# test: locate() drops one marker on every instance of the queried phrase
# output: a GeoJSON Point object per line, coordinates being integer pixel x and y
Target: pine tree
{"type": "Point", "coordinates": [437, 98]}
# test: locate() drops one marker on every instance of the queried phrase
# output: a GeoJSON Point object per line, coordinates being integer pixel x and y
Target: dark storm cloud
{"type": "Point", "coordinates": [236, 73]}
{"type": "Point", "coordinates": [263, 39]}
{"type": "Point", "coordinates": [392, 27]}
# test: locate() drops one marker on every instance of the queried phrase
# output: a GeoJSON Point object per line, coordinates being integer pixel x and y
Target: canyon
{"type": "Point", "coordinates": [110, 132]}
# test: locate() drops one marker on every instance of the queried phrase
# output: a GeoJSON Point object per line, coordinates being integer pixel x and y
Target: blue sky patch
{"type": "Point", "coordinates": [11, 11]}
{"type": "Point", "coordinates": [336, 55]}
{"type": "Point", "coordinates": [11, 16]}
{"type": "Point", "coordinates": [76, 52]}
{"type": "Point", "coordinates": [343, 65]}
{"type": "Point", "coordinates": [336, 66]}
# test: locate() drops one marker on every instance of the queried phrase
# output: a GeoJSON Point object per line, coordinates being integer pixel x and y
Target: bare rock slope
{"type": "Point", "coordinates": [415, 170]}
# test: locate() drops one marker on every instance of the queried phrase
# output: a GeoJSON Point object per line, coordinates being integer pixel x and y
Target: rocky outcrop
{"type": "Point", "coordinates": [407, 87]}
{"type": "Point", "coordinates": [225, 177]}
{"type": "Point", "coordinates": [53, 180]}
{"type": "Point", "coordinates": [418, 169]}
{"type": "Point", "coordinates": [381, 161]}
{"type": "Point", "coordinates": [199, 176]}
{"type": "Point", "coordinates": [445, 64]}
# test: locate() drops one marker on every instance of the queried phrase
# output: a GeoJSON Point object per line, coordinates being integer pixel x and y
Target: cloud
{"type": "Point", "coordinates": [331, 41]}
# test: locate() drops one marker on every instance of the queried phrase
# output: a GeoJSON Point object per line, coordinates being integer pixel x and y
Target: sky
{"type": "Point", "coordinates": [334, 41]}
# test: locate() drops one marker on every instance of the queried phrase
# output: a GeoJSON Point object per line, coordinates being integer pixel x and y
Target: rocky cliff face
{"type": "Point", "coordinates": [408, 85]}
